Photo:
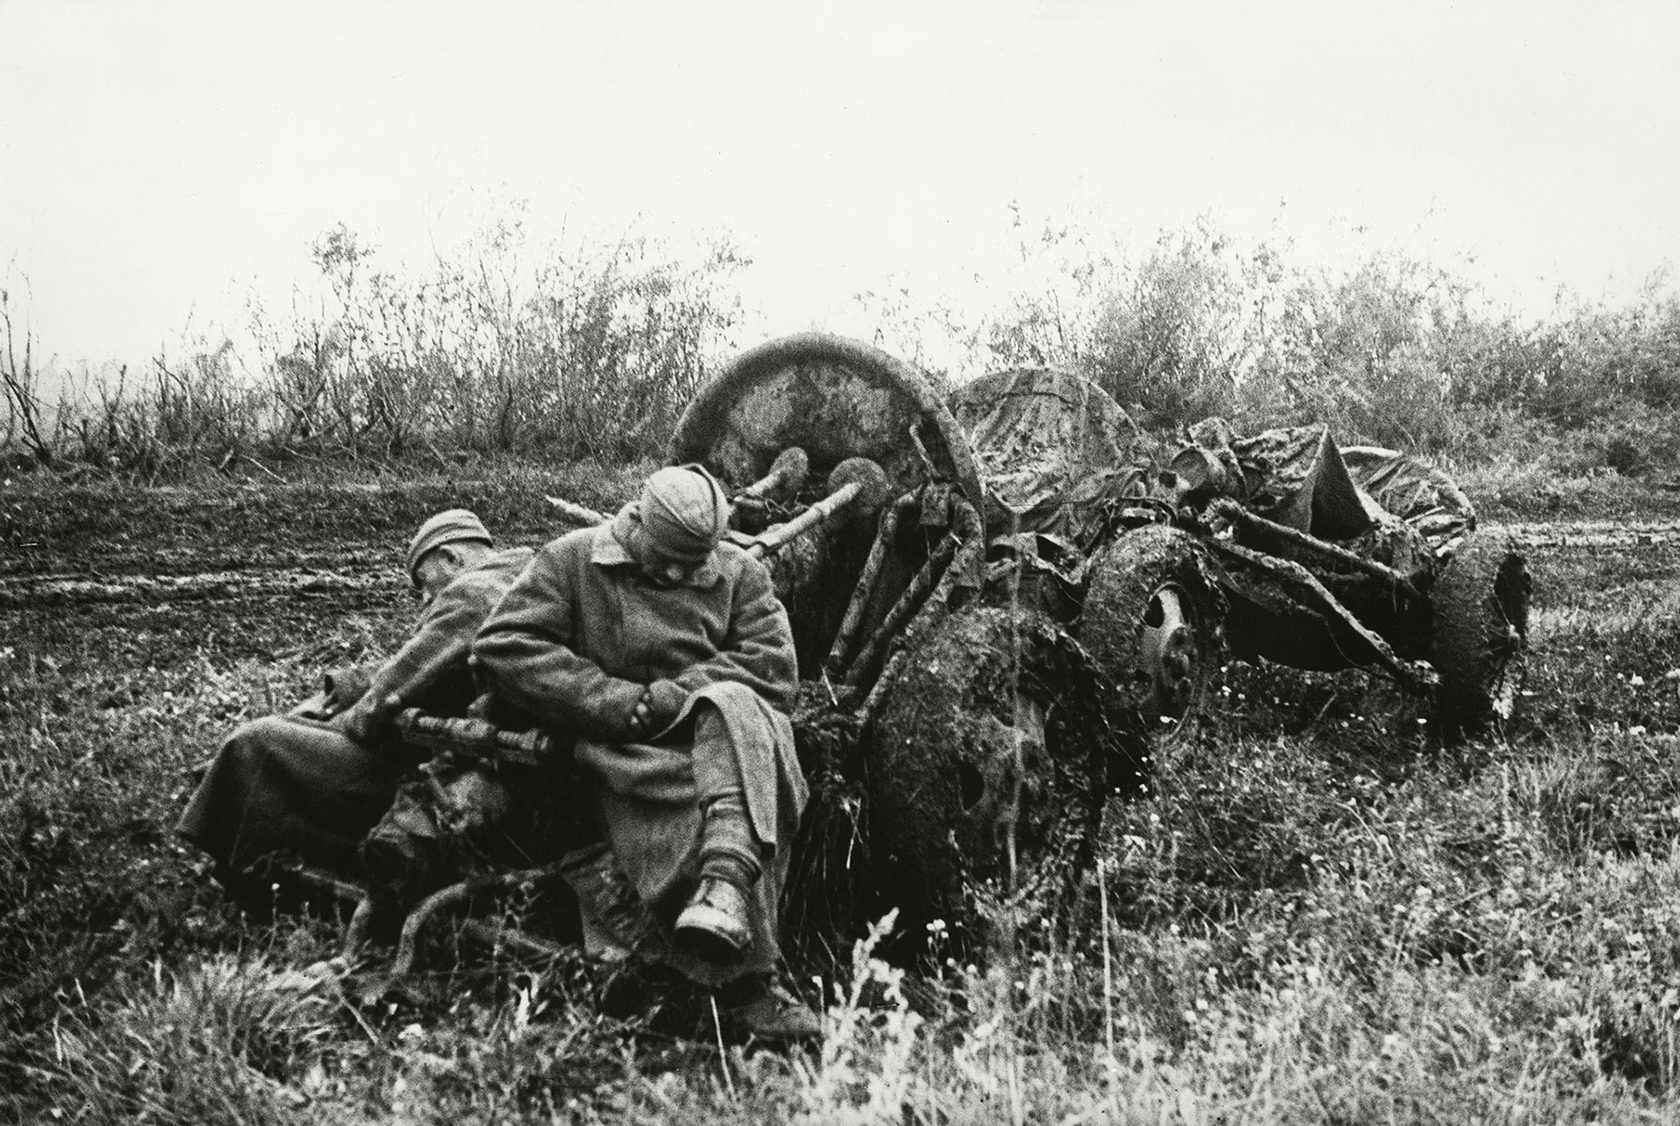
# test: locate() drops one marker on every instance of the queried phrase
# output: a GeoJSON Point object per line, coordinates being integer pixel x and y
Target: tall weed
{"type": "Point", "coordinates": [504, 344]}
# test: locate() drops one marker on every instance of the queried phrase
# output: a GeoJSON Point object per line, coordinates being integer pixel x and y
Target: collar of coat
{"type": "Point", "coordinates": [607, 551]}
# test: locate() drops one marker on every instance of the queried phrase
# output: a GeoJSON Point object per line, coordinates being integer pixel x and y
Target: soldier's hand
{"type": "Point", "coordinates": [660, 704]}
{"type": "Point", "coordinates": [344, 687]}
{"type": "Point", "coordinates": [665, 700]}
{"type": "Point", "coordinates": [641, 716]}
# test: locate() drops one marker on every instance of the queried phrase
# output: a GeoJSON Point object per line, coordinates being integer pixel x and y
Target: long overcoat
{"type": "Point", "coordinates": [313, 786]}
{"type": "Point", "coordinates": [576, 640]}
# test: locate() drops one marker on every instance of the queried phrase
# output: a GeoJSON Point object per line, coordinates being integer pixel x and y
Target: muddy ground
{"type": "Point", "coordinates": [146, 580]}
{"type": "Point", "coordinates": [138, 625]}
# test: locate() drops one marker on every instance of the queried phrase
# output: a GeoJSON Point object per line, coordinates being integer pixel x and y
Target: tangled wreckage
{"type": "Point", "coordinates": [998, 598]}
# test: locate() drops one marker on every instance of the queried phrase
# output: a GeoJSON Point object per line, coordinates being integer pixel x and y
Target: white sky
{"type": "Point", "coordinates": [160, 157]}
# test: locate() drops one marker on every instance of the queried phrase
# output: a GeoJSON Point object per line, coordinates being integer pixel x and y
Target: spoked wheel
{"type": "Point", "coordinates": [1151, 621]}
{"type": "Point", "coordinates": [834, 399]}
{"type": "Point", "coordinates": [1479, 642]}
{"type": "Point", "coordinates": [988, 768]}
{"type": "Point", "coordinates": [1169, 651]}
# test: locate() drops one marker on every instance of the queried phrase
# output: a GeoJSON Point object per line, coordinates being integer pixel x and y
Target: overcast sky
{"type": "Point", "coordinates": [157, 157]}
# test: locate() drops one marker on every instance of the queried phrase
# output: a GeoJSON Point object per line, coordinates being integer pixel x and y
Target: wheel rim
{"type": "Point", "coordinates": [988, 769]}
{"type": "Point", "coordinates": [1170, 654]}
{"type": "Point", "coordinates": [1005, 783]}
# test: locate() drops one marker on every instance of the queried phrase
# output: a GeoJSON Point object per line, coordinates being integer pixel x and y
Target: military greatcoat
{"type": "Point", "coordinates": [576, 640]}
{"type": "Point", "coordinates": [313, 786]}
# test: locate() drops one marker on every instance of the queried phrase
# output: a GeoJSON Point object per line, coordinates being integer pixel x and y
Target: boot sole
{"type": "Point", "coordinates": [707, 940]}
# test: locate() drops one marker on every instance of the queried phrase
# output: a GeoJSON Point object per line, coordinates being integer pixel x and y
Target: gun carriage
{"type": "Point", "coordinates": [1000, 597]}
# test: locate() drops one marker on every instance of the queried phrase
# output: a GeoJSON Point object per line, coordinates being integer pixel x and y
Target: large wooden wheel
{"type": "Point", "coordinates": [834, 398]}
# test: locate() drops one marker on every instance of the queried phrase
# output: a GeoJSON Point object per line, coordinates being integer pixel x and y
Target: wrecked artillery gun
{"type": "Point", "coordinates": [999, 597]}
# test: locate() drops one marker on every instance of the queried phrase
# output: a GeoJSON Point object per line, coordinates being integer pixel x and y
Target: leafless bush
{"type": "Point", "coordinates": [505, 343]}
{"type": "Point", "coordinates": [502, 345]}
{"type": "Point", "coordinates": [1396, 349]}
{"type": "Point", "coordinates": [20, 386]}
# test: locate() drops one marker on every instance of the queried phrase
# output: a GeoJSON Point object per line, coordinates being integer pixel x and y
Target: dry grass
{"type": "Point", "coordinates": [505, 344]}
{"type": "Point", "coordinates": [1314, 916]}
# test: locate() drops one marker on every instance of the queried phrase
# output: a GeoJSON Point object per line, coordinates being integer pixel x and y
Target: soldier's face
{"type": "Point", "coordinates": [436, 571]}
{"type": "Point", "coordinates": [659, 568]}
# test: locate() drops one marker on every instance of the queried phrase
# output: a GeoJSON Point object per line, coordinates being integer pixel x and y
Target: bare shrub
{"type": "Point", "coordinates": [1607, 358]}
{"type": "Point", "coordinates": [19, 386]}
{"type": "Point", "coordinates": [1176, 336]}
{"type": "Point", "coordinates": [1396, 350]}
{"type": "Point", "coordinates": [504, 344]}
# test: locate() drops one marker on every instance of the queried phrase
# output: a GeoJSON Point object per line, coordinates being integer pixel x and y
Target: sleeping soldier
{"type": "Point", "coordinates": [666, 653]}
{"type": "Point", "coordinates": [311, 783]}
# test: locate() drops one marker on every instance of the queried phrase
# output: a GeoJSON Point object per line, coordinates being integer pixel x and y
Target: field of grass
{"type": "Point", "coordinates": [1315, 915]}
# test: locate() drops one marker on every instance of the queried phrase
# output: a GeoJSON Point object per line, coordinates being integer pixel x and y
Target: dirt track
{"type": "Point", "coordinates": [1595, 533]}
{"type": "Point", "coordinates": [152, 565]}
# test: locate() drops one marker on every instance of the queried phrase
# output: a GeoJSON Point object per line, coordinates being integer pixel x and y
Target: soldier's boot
{"type": "Point", "coordinates": [716, 923]}
{"type": "Point", "coordinates": [758, 1007]}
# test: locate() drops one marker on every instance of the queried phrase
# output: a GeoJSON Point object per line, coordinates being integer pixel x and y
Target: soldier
{"type": "Point", "coordinates": [311, 783]}
{"type": "Point", "coordinates": [667, 654]}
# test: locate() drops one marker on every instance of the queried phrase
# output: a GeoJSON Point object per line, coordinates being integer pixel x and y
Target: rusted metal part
{"type": "Point", "coordinates": [968, 560]}
{"type": "Point", "coordinates": [1305, 542]}
{"type": "Point", "coordinates": [1414, 676]}
{"type": "Point", "coordinates": [871, 706]}
{"type": "Point", "coordinates": [1055, 451]}
{"type": "Point", "coordinates": [1480, 623]}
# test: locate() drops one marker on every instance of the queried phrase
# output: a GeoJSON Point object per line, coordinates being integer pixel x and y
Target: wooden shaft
{"type": "Point", "coordinates": [908, 603]}
{"type": "Point", "coordinates": [1305, 541]}
{"type": "Point", "coordinates": [885, 536]}
{"type": "Point", "coordinates": [790, 467]}
{"type": "Point", "coordinates": [774, 539]}
{"type": "Point", "coordinates": [1417, 677]}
